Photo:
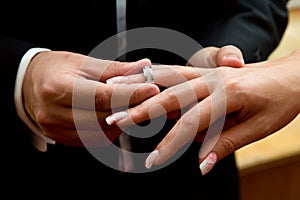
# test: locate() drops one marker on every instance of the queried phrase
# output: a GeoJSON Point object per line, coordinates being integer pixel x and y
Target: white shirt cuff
{"type": "Point", "coordinates": [39, 140]}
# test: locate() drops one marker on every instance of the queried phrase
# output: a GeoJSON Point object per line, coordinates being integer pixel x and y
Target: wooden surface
{"type": "Point", "coordinates": [280, 181]}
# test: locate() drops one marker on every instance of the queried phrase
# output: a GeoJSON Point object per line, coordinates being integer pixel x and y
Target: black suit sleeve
{"type": "Point", "coordinates": [255, 26]}
{"type": "Point", "coordinates": [11, 52]}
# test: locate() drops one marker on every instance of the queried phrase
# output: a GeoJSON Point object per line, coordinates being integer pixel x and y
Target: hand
{"type": "Point", "coordinates": [66, 95]}
{"type": "Point", "coordinates": [255, 101]}
{"type": "Point", "coordinates": [167, 75]}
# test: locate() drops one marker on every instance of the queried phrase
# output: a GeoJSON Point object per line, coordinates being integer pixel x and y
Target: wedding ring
{"type": "Point", "coordinates": [148, 74]}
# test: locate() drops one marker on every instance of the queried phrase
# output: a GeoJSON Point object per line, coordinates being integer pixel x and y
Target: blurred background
{"type": "Point", "coordinates": [270, 168]}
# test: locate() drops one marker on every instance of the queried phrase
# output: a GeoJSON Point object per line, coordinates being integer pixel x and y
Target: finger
{"type": "Point", "coordinates": [79, 137]}
{"type": "Point", "coordinates": [171, 99]}
{"type": "Point", "coordinates": [230, 140]}
{"type": "Point", "coordinates": [124, 96]}
{"type": "Point", "coordinates": [77, 122]}
{"type": "Point", "coordinates": [204, 58]}
{"type": "Point", "coordinates": [71, 118]}
{"type": "Point", "coordinates": [183, 132]}
{"type": "Point", "coordinates": [162, 74]}
{"type": "Point", "coordinates": [230, 56]}
{"type": "Point", "coordinates": [94, 95]}
{"type": "Point", "coordinates": [98, 69]}
{"type": "Point", "coordinates": [208, 114]}
{"type": "Point", "coordinates": [231, 120]}
{"type": "Point", "coordinates": [89, 119]}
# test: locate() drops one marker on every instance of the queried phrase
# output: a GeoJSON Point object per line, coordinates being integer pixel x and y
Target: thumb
{"type": "Point", "coordinates": [230, 56]}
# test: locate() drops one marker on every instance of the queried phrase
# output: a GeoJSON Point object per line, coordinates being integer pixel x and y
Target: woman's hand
{"type": "Point", "coordinates": [227, 107]}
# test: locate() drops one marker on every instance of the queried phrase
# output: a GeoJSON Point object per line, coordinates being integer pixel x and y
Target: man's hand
{"type": "Point", "coordinates": [67, 96]}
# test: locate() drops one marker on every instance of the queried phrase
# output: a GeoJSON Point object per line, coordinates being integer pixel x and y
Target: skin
{"type": "Point", "coordinates": [67, 96]}
{"type": "Point", "coordinates": [48, 89]}
{"type": "Point", "coordinates": [256, 100]}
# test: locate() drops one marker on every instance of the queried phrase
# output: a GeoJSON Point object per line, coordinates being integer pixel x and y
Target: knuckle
{"type": "Point", "coordinates": [136, 96]}
{"type": "Point", "coordinates": [102, 100]}
{"type": "Point", "coordinates": [227, 144]}
{"type": "Point", "coordinates": [139, 113]}
{"type": "Point", "coordinates": [52, 91]}
{"type": "Point", "coordinates": [42, 117]}
{"type": "Point", "coordinates": [48, 90]}
{"type": "Point", "coordinates": [188, 121]}
{"type": "Point", "coordinates": [232, 84]}
{"type": "Point", "coordinates": [235, 88]}
{"type": "Point", "coordinates": [170, 95]}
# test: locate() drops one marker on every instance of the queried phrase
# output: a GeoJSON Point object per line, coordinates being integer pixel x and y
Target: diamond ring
{"type": "Point", "coordinates": [148, 74]}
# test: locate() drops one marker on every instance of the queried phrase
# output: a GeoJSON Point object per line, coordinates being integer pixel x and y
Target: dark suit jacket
{"type": "Point", "coordinates": [255, 26]}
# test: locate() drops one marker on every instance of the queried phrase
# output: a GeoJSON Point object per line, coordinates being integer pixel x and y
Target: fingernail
{"type": "Point", "coordinates": [117, 79]}
{"type": "Point", "coordinates": [151, 159]}
{"type": "Point", "coordinates": [144, 61]}
{"type": "Point", "coordinates": [114, 118]}
{"type": "Point", "coordinates": [208, 163]}
{"type": "Point", "coordinates": [234, 57]}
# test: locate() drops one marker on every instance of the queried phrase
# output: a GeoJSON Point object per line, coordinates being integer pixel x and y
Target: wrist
{"type": "Point", "coordinates": [39, 140]}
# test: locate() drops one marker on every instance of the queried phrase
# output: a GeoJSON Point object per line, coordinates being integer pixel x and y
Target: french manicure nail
{"type": "Point", "coordinates": [208, 163]}
{"type": "Point", "coordinates": [151, 159]}
{"type": "Point", "coordinates": [117, 79]}
{"type": "Point", "coordinates": [114, 118]}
